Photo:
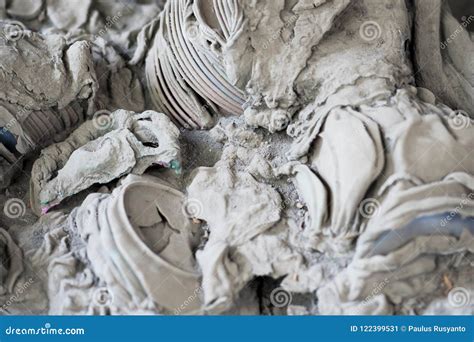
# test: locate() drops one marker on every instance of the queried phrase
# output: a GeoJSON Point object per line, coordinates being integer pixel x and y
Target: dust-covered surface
{"type": "Point", "coordinates": [236, 157]}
